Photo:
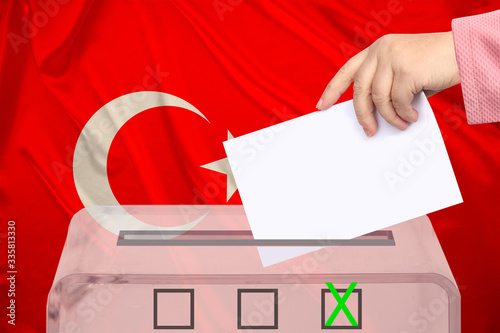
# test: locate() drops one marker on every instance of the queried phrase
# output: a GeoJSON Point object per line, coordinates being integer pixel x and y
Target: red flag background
{"type": "Point", "coordinates": [245, 65]}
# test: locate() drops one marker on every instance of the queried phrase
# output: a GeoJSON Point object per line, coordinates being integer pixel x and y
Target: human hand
{"type": "Point", "coordinates": [390, 72]}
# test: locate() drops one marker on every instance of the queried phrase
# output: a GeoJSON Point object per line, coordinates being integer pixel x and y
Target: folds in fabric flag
{"type": "Point", "coordinates": [244, 65]}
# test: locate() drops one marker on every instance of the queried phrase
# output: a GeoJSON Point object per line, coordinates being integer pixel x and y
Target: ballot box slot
{"type": "Point", "coordinates": [239, 238]}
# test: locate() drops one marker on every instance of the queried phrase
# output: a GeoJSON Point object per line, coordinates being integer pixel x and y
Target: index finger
{"type": "Point", "coordinates": [341, 81]}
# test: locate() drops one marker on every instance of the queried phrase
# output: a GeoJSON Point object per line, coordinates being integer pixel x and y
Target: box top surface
{"type": "Point", "coordinates": [214, 240]}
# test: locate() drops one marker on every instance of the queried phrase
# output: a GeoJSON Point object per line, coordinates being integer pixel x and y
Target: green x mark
{"type": "Point", "coordinates": [341, 304]}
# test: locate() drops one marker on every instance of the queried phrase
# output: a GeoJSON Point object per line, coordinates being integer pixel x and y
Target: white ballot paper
{"type": "Point", "coordinates": [319, 177]}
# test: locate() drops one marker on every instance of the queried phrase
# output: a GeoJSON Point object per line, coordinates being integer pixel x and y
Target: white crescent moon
{"type": "Point", "coordinates": [91, 155]}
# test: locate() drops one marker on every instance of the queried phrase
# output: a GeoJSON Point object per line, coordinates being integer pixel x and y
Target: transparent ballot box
{"type": "Point", "coordinates": [198, 269]}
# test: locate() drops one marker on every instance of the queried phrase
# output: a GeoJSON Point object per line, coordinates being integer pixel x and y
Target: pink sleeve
{"type": "Point", "coordinates": [477, 46]}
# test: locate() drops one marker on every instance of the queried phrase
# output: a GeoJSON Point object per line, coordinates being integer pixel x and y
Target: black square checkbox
{"type": "Point", "coordinates": [257, 308]}
{"type": "Point", "coordinates": [173, 309]}
{"type": "Point", "coordinates": [328, 304]}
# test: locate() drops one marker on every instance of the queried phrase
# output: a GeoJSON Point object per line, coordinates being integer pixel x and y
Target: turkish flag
{"type": "Point", "coordinates": [231, 67]}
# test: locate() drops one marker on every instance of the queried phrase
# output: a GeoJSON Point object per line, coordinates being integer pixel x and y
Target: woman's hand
{"type": "Point", "coordinates": [390, 72]}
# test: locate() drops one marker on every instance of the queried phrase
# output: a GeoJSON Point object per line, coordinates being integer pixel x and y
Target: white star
{"type": "Point", "coordinates": [222, 166]}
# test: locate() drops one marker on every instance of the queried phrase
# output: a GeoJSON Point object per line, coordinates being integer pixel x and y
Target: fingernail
{"type": "Point", "coordinates": [414, 116]}
{"type": "Point", "coordinates": [319, 103]}
{"type": "Point", "coordinates": [367, 132]}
